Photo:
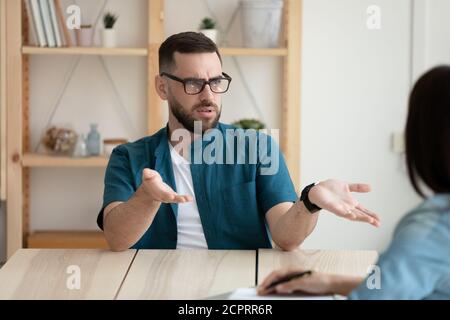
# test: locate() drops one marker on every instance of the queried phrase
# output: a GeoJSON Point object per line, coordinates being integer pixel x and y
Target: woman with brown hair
{"type": "Point", "coordinates": [416, 264]}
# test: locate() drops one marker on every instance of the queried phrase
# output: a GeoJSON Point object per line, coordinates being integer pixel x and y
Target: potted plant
{"type": "Point", "coordinates": [249, 124]}
{"type": "Point", "coordinates": [208, 28]}
{"type": "Point", "coordinates": [85, 35]}
{"type": "Point", "coordinates": [108, 33]}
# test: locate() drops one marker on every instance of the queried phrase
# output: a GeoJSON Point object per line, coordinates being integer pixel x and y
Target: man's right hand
{"type": "Point", "coordinates": [155, 189]}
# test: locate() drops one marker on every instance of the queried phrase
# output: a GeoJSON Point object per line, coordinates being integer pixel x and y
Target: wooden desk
{"type": "Point", "coordinates": [343, 262]}
{"type": "Point", "coordinates": [158, 274]}
{"type": "Point", "coordinates": [188, 274]}
{"type": "Point", "coordinates": [43, 274]}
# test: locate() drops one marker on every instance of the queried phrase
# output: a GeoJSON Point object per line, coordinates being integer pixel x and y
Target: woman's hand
{"type": "Point", "coordinates": [316, 283]}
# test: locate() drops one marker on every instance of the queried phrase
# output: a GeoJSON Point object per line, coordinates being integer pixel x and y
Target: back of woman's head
{"type": "Point", "coordinates": [428, 132]}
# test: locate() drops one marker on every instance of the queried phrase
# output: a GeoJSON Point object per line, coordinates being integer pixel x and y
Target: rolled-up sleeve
{"type": "Point", "coordinates": [273, 183]}
{"type": "Point", "coordinates": [119, 182]}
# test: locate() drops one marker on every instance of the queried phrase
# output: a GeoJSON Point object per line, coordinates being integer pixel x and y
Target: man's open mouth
{"type": "Point", "coordinates": [205, 109]}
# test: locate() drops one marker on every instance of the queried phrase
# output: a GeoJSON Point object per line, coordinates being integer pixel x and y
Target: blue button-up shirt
{"type": "Point", "coordinates": [417, 263]}
{"type": "Point", "coordinates": [232, 197]}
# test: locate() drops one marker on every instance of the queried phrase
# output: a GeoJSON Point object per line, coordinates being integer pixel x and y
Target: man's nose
{"type": "Point", "coordinates": [207, 94]}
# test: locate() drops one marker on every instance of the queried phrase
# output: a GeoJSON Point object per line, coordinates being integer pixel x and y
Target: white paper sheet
{"type": "Point", "coordinates": [250, 294]}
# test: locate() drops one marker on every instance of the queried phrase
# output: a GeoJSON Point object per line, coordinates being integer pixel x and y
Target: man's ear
{"type": "Point", "coordinates": [161, 87]}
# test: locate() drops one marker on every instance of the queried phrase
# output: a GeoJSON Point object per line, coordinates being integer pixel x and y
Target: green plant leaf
{"type": "Point", "coordinates": [109, 19]}
{"type": "Point", "coordinates": [249, 124]}
{"type": "Point", "coordinates": [208, 23]}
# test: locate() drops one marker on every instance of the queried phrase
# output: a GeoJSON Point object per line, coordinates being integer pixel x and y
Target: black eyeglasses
{"type": "Point", "coordinates": [193, 86]}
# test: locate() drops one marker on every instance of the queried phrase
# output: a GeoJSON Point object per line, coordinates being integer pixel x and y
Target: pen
{"type": "Point", "coordinates": [289, 278]}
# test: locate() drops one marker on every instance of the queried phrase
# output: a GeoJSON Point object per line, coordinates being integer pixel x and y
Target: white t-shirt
{"type": "Point", "coordinates": [189, 225]}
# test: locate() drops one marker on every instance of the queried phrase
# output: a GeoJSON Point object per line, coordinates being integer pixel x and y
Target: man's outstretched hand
{"type": "Point", "coordinates": [335, 196]}
{"type": "Point", "coordinates": [157, 190]}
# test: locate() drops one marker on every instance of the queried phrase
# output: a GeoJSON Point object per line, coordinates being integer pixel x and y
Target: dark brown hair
{"type": "Point", "coordinates": [428, 132]}
{"type": "Point", "coordinates": [185, 42]}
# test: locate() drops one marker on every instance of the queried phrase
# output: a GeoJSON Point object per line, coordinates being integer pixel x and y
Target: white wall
{"type": "Point", "coordinates": [354, 96]}
{"type": "Point", "coordinates": [432, 36]}
{"type": "Point", "coordinates": [355, 84]}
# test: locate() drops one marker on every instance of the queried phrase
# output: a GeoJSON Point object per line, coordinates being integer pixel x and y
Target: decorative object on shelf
{"type": "Point", "coordinates": [85, 35]}
{"type": "Point", "coordinates": [59, 141]}
{"type": "Point", "coordinates": [81, 147]}
{"type": "Point", "coordinates": [261, 20]}
{"type": "Point", "coordinates": [108, 33]}
{"type": "Point", "coordinates": [93, 141]}
{"type": "Point", "coordinates": [208, 28]}
{"type": "Point", "coordinates": [249, 124]}
{"type": "Point", "coordinates": [110, 144]}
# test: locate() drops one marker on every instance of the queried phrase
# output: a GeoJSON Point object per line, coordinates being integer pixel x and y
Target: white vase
{"type": "Point", "coordinates": [261, 22]}
{"type": "Point", "coordinates": [210, 33]}
{"type": "Point", "coordinates": [109, 38]}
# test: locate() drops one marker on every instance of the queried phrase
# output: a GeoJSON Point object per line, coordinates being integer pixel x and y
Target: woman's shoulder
{"type": "Point", "coordinates": [430, 220]}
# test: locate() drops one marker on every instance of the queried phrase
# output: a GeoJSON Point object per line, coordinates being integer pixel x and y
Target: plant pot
{"type": "Point", "coordinates": [211, 33]}
{"type": "Point", "coordinates": [109, 37]}
{"type": "Point", "coordinates": [261, 21]}
{"type": "Point", "coordinates": [85, 37]}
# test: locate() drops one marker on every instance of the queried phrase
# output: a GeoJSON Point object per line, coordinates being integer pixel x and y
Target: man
{"type": "Point", "coordinates": [217, 206]}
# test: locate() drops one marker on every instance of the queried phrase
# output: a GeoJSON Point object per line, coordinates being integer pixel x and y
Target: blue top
{"type": "Point", "coordinates": [232, 197]}
{"type": "Point", "coordinates": [417, 263]}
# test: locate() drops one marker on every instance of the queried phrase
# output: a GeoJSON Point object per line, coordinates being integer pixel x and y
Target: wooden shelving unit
{"type": "Point", "coordinates": [140, 52]}
{"type": "Point", "coordinates": [30, 160]}
{"type": "Point", "coordinates": [280, 52]}
{"type": "Point", "coordinates": [277, 52]}
{"type": "Point", "coordinates": [20, 160]}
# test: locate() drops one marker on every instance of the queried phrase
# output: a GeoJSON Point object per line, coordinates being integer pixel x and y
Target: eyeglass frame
{"type": "Point", "coordinates": [224, 76]}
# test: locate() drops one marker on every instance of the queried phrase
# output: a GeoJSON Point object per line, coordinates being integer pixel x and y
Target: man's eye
{"type": "Point", "coordinates": [216, 82]}
{"type": "Point", "coordinates": [193, 84]}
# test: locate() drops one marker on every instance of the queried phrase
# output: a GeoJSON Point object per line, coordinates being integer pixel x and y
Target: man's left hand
{"type": "Point", "coordinates": [335, 196]}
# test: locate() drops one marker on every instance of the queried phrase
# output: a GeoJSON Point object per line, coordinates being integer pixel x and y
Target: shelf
{"type": "Point", "coordinates": [67, 239]}
{"type": "Point", "coordinates": [42, 160]}
{"type": "Point", "coordinates": [144, 52]}
{"type": "Point", "coordinates": [86, 51]}
{"type": "Point", "coordinates": [254, 52]}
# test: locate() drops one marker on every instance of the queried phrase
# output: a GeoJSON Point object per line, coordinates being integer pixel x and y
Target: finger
{"type": "Point", "coordinates": [358, 215]}
{"type": "Point", "coordinates": [344, 211]}
{"type": "Point", "coordinates": [167, 197]}
{"type": "Point", "coordinates": [265, 287]}
{"type": "Point", "coordinates": [363, 217]}
{"type": "Point", "coordinates": [370, 213]}
{"type": "Point", "coordinates": [149, 174]}
{"type": "Point", "coordinates": [270, 278]}
{"type": "Point", "coordinates": [274, 276]}
{"type": "Point", "coordinates": [173, 197]}
{"type": "Point", "coordinates": [359, 187]}
{"type": "Point", "coordinates": [375, 218]}
{"type": "Point", "coordinates": [180, 198]}
{"type": "Point", "coordinates": [291, 286]}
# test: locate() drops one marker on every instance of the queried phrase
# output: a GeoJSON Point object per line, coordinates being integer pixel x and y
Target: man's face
{"type": "Point", "coordinates": [205, 106]}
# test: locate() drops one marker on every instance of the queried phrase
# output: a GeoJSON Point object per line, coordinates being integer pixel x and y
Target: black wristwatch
{"type": "Point", "coordinates": [312, 208]}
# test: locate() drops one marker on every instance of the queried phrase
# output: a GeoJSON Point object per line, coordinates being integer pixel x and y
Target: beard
{"type": "Point", "coordinates": [188, 120]}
